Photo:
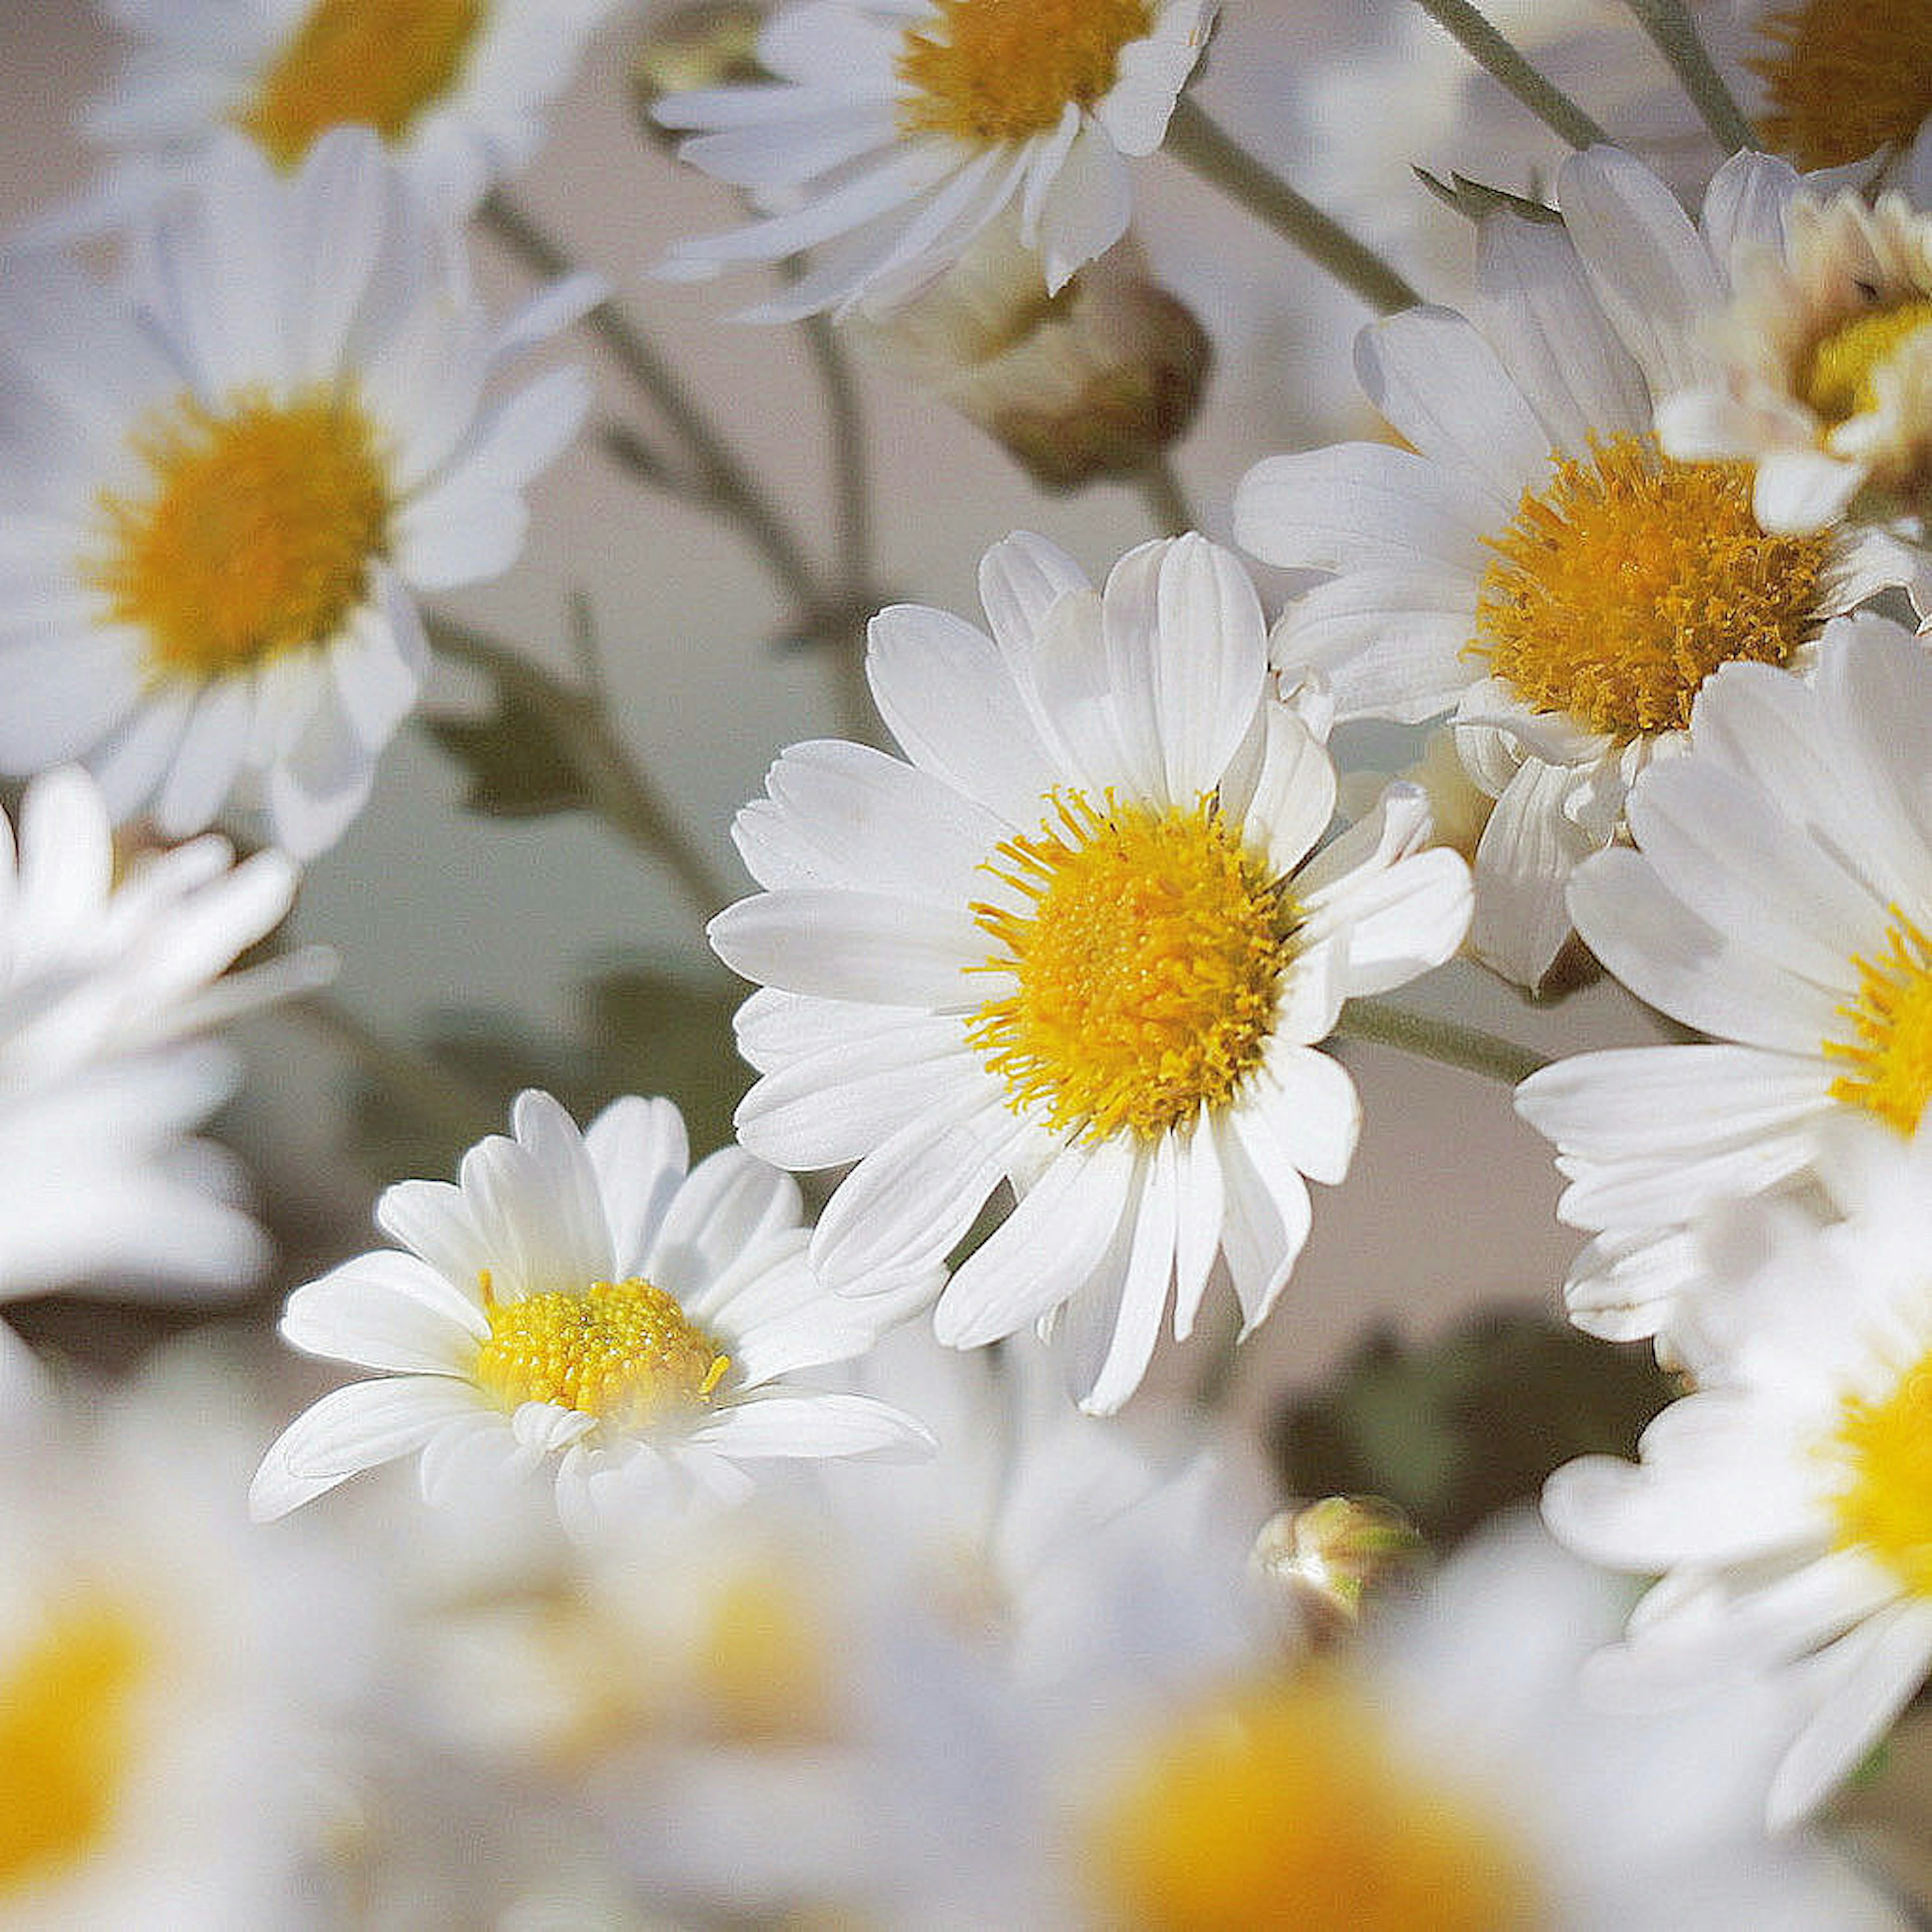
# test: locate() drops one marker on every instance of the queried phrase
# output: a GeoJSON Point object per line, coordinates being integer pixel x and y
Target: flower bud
{"type": "Point", "coordinates": [1332, 1556]}
{"type": "Point", "coordinates": [711, 44]}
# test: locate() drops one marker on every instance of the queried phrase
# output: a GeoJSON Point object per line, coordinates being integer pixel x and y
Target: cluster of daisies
{"type": "Point", "coordinates": [726, 1560]}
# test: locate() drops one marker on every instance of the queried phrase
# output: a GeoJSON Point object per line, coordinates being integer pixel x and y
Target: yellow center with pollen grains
{"type": "Point", "coordinates": [1847, 78]}
{"type": "Point", "coordinates": [1884, 1507]}
{"type": "Point", "coordinates": [1147, 954]}
{"type": "Point", "coordinates": [622, 1352]}
{"type": "Point", "coordinates": [1889, 1063]}
{"type": "Point", "coordinates": [255, 537]}
{"type": "Point", "coordinates": [379, 63]}
{"type": "Point", "coordinates": [1840, 381]}
{"type": "Point", "coordinates": [990, 70]}
{"type": "Point", "coordinates": [1631, 577]}
{"type": "Point", "coordinates": [1286, 1807]}
{"type": "Point", "coordinates": [67, 1719]}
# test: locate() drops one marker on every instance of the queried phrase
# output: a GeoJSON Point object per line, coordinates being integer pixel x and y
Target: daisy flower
{"type": "Point", "coordinates": [1531, 564]}
{"type": "Point", "coordinates": [579, 1299]}
{"type": "Point", "coordinates": [1779, 903]}
{"type": "Point", "coordinates": [1076, 940]}
{"type": "Point", "coordinates": [227, 480]}
{"type": "Point", "coordinates": [1786, 1505]}
{"type": "Point", "coordinates": [456, 89]}
{"type": "Point", "coordinates": [897, 129]}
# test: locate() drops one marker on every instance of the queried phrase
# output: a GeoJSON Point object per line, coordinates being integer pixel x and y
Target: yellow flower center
{"type": "Point", "coordinates": [1840, 381]}
{"type": "Point", "coordinates": [1889, 1063]}
{"type": "Point", "coordinates": [1630, 578]}
{"type": "Point", "coordinates": [1148, 957]}
{"type": "Point", "coordinates": [1848, 77]}
{"type": "Point", "coordinates": [256, 536]}
{"type": "Point", "coordinates": [379, 63]}
{"type": "Point", "coordinates": [1884, 1507]}
{"type": "Point", "coordinates": [990, 70]}
{"type": "Point", "coordinates": [623, 1352]}
{"type": "Point", "coordinates": [1285, 1807]}
{"type": "Point", "coordinates": [67, 1711]}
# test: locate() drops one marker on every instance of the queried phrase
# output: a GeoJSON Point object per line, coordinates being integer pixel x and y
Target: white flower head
{"type": "Point", "coordinates": [1780, 902]}
{"type": "Point", "coordinates": [579, 1301]}
{"type": "Point", "coordinates": [227, 480]}
{"type": "Point", "coordinates": [897, 129]}
{"type": "Point", "coordinates": [1078, 939]}
{"type": "Point", "coordinates": [1531, 565]}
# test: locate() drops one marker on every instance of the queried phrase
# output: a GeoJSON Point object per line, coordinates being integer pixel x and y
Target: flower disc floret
{"type": "Point", "coordinates": [1884, 1507]}
{"type": "Point", "coordinates": [1841, 380]}
{"type": "Point", "coordinates": [1849, 77]}
{"type": "Point", "coordinates": [1890, 1062]}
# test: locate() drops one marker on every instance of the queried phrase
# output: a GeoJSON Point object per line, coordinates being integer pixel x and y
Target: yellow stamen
{"type": "Point", "coordinates": [256, 536]}
{"type": "Point", "coordinates": [1148, 958]}
{"type": "Point", "coordinates": [1630, 578]}
{"type": "Point", "coordinates": [1286, 1807]}
{"type": "Point", "coordinates": [622, 1352]}
{"type": "Point", "coordinates": [379, 63]}
{"type": "Point", "coordinates": [1884, 1507]}
{"type": "Point", "coordinates": [990, 70]}
{"type": "Point", "coordinates": [1848, 77]}
{"type": "Point", "coordinates": [1841, 381]}
{"type": "Point", "coordinates": [1890, 1060]}
{"type": "Point", "coordinates": [67, 1715]}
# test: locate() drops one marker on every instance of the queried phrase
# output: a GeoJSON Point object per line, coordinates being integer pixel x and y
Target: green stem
{"type": "Point", "coordinates": [1217, 157]}
{"type": "Point", "coordinates": [1166, 501]}
{"type": "Point", "coordinates": [449, 1106]}
{"type": "Point", "coordinates": [1444, 1040]}
{"type": "Point", "coordinates": [1497, 57]}
{"type": "Point", "coordinates": [1667, 23]}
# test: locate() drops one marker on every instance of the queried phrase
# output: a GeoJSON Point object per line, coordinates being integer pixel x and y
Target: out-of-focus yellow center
{"type": "Point", "coordinates": [1884, 1507]}
{"type": "Point", "coordinates": [1889, 1063]}
{"type": "Point", "coordinates": [1630, 578]}
{"type": "Point", "coordinates": [68, 1703]}
{"type": "Point", "coordinates": [254, 537]}
{"type": "Point", "coordinates": [1847, 78]}
{"type": "Point", "coordinates": [989, 70]}
{"type": "Point", "coordinates": [1285, 1808]}
{"type": "Point", "coordinates": [766, 1658]}
{"type": "Point", "coordinates": [1148, 955]}
{"type": "Point", "coordinates": [623, 1352]}
{"type": "Point", "coordinates": [380, 63]}
{"type": "Point", "coordinates": [1840, 381]}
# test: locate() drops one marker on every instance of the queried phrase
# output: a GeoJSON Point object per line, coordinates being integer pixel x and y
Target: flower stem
{"type": "Point", "coordinates": [1490, 51]}
{"type": "Point", "coordinates": [449, 1106]}
{"type": "Point", "coordinates": [1213, 154]}
{"type": "Point", "coordinates": [1667, 23]}
{"type": "Point", "coordinates": [1444, 1040]}
{"type": "Point", "coordinates": [1166, 501]}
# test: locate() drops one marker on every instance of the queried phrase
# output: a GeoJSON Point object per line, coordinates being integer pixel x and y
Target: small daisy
{"type": "Point", "coordinates": [1077, 943]}
{"type": "Point", "coordinates": [456, 89]}
{"type": "Point", "coordinates": [897, 129]}
{"type": "Point", "coordinates": [1787, 1504]}
{"type": "Point", "coordinates": [1779, 903]}
{"type": "Point", "coordinates": [1532, 564]}
{"type": "Point", "coordinates": [579, 1299]}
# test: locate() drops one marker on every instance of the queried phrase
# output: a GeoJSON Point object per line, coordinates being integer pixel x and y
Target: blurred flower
{"type": "Point", "coordinates": [1079, 944]}
{"type": "Point", "coordinates": [897, 132]}
{"type": "Point", "coordinates": [709, 43]}
{"type": "Point", "coordinates": [579, 1300]}
{"type": "Point", "coordinates": [225, 482]}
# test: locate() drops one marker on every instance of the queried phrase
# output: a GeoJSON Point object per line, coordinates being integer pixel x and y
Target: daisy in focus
{"type": "Point", "coordinates": [1531, 564]}
{"type": "Point", "coordinates": [1080, 940]}
{"type": "Point", "coordinates": [581, 1302]}
{"type": "Point", "coordinates": [1780, 902]}
{"type": "Point", "coordinates": [897, 129]}
{"type": "Point", "coordinates": [227, 480]}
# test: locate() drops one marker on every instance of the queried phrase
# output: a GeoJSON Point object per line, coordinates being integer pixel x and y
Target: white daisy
{"type": "Point", "coordinates": [457, 89]}
{"type": "Point", "coordinates": [897, 129]}
{"type": "Point", "coordinates": [1780, 904]}
{"type": "Point", "coordinates": [1077, 943]}
{"type": "Point", "coordinates": [1786, 1504]}
{"type": "Point", "coordinates": [225, 481]}
{"type": "Point", "coordinates": [1531, 564]}
{"type": "Point", "coordinates": [578, 1299]}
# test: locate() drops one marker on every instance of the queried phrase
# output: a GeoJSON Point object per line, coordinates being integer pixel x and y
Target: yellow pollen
{"type": "Point", "coordinates": [990, 70]}
{"type": "Point", "coordinates": [255, 538]}
{"type": "Point", "coordinates": [1884, 1507]}
{"type": "Point", "coordinates": [1889, 1063]}
{"type": "Point", "coordinates": [379, 63]}
{"type": "Point", "coordinates": [1284, 1807]}
{"type": "Point", "coordinates": [1148, 957]}
{"type": "Point", "coordinates": [622, 1352]}
{"type": "Point", "coordinates": [1848, 77]}
{"type": "Point", "coordinates": [1632, 576]}
{"type": "Point", "coordinates": [1841, 381]}
{"type": "Point", "coordinates": [66, 1731]}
